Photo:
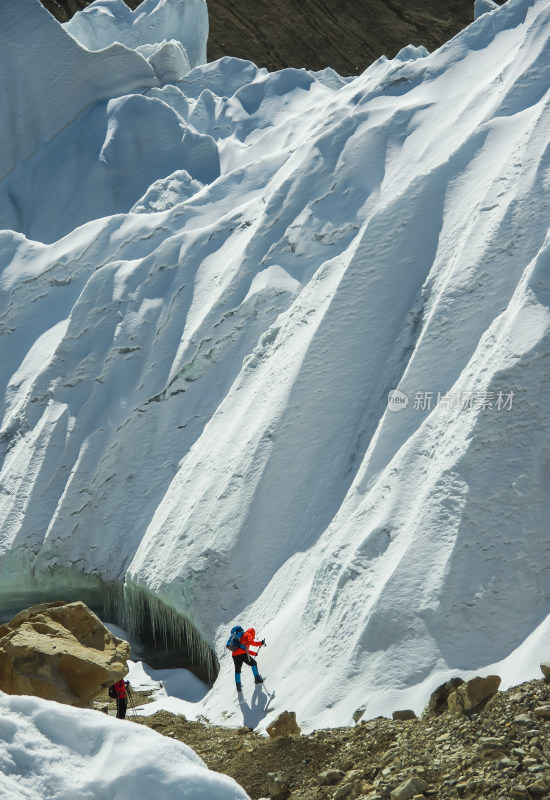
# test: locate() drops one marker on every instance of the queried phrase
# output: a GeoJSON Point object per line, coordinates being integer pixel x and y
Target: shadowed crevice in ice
{"type": "Point", "coordinates": [166, 639]}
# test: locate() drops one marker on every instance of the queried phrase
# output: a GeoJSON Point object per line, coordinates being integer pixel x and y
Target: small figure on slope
{"type": "Point", "coordinates": [121, 695]}
{"type": "Point", "coordinates": [240, 643]}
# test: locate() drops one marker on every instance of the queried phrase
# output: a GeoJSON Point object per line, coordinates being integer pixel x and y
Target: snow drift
{"type": "Point", "coordinates": [275, 350]}
{"type": "Point", "coordinates": [51, 750]}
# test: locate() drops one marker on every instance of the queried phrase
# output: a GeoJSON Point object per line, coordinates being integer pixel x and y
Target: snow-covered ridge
{"type": "Point", "coordinates": [208, 289]}
{"type": "Point", "coordinates": [154, 22]}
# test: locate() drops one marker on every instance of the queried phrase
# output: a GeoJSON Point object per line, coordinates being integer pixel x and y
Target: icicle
{"type": "Point", "coordinates": [146, 614]}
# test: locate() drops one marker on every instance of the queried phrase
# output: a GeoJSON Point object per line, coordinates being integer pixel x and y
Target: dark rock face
{"type": "Point", "coordinates": [438, 700]}
{"type": "Point", "coordinates": [346, 35]}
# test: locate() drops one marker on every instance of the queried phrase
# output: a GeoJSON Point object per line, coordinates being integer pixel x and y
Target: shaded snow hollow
{"type": "Point", "coordinates": [209, 286]}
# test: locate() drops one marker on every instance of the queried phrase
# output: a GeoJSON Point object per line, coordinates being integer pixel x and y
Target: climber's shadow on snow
{"type": "Point", "coordinates": [259, 707]}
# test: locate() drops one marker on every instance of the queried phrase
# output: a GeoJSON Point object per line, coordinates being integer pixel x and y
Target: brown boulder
{"type": "Point", "coordinates": [438, 699]}
{"type": "Point", "coordinates": [278, 785]}
{"type": "Point", "coordinates": [284, 725]}
{"type": "Point", "coordinates": [472, 693]}
{"type": "Point", "coordinates": [406, 714]}
{"type": "Point", "coordinates": [330, 777]}
{"type": "Point", "coordinates": [409, 789]}
{"type": "Point", "coordinates": [60, 651]}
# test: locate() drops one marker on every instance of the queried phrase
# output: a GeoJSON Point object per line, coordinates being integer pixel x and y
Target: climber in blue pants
{"type": "Point", "coordinates": [243, 641]}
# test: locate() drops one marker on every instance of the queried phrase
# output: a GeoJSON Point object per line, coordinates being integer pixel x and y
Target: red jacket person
{"type": "Point", "coordinates": [121, 698]}
{"type": "Point", "coordinates": [244, 654]}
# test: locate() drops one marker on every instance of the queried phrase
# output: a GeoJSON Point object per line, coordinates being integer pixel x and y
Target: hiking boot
{"type": "Point", "coordinates": [239, 687]}
{"type": "Point", "coordinates": [258, 679]}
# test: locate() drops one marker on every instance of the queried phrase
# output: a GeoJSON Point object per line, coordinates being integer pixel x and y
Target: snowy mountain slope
{"type": "Point", "coordinates": [195, 420]}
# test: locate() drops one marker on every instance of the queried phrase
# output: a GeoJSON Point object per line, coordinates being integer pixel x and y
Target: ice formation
{"type": "Point", "coordinates": [483, 6]}
{"type": "Point", "coordinates": [154, 22]}
{"type": "Point", "coordinates": [275, 349]}
{"type": "Point", "coordinates": [170, 34]}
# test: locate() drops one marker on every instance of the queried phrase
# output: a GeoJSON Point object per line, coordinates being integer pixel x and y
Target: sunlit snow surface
{"type": "Point", "coordinates": [48, 750]}
{"type": "Point", "coordinates": [207, 290]}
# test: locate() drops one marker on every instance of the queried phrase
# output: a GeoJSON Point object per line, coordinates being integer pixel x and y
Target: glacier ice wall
{"type": "Point", "coordinates": [101, 140]}
{"type": "Point", "coordinates": [197, 356]}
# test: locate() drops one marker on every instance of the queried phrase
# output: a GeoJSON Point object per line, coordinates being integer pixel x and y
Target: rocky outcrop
{"type": "Point", "coordinates": [63, 10]}
{"type": "Point", "coordinates": [284, 725]}
{"type": "Point", "coordinates": [406, 714]}
{"type": "Point", "coordinates": [60, 651]}
{"type": "Point", "coordinates": [499, 751]}
{"type": "Point", "coordinates": [472, 693]}
{"type": "Point", "coordinates": [438, 699]}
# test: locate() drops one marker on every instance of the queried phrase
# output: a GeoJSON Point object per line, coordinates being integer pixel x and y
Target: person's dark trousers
{"type": "Point", "coordinates": [121, 706]}
{"type": "Point", "coordinates": [243, 658]}
{"type": "Point", "coordinates": [238, 661]}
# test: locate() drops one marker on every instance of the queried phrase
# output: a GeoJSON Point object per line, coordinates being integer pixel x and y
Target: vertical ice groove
{"type": "Point", "coordinates": [170, 630]}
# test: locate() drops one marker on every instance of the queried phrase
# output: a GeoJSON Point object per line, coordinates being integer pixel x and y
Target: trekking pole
{"type": "Point", "coordinates": [132, 700]}
{"type": "Point", "coordinates": [132, 704]}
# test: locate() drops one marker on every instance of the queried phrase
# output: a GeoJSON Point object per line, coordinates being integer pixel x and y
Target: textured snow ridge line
{"type": "Point", "coordinates": [453, 507]}
{"type": "Point", "coordinates": [154, 23]}
{"type": "Point", "coordinates": [424, 262]}
{"type": "Point", "coordinates": [69, 752]}
{"type": "Point", "coordinates": [123, 313]}
{"type": "Point", "coordinates": [98, 125]}
{"type": "Point", "coordinates": [125, 131]}
{"type": "Point", "coordinates": [484, 6]}
{"type": "Point", "coordinates": [479, 497]}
